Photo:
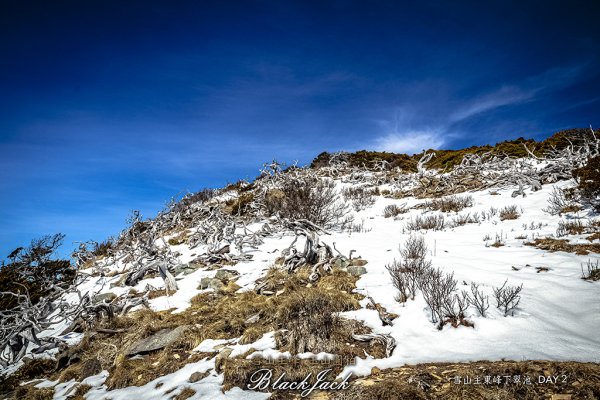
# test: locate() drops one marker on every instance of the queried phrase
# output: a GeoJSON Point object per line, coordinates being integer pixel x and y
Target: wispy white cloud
{"type": "Point", "coordinates": [402, 134]}
{"type": "Point", "coordinates": [409, 142]}
{"type": "Point", "coordinates": [432, 124]}
{"type": "Point", "coordinates": [506, 95]}
{"type": "Point", "coordinates": [551, 80]}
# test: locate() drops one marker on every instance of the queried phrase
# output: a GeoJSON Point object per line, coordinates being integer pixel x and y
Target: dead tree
{"type": "Point", "coordinates": [507, 297]}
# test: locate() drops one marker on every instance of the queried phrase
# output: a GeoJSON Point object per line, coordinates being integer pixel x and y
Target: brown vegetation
{"type": "Point", "coordinates": [588, 178]}
{"type": "Point", "coordinates": [450, 203]}
{"type": "Point", "coordinates": [509, 212]}
{"type": "Point", "coordinates": [315, 200]}
{"type": "Point", "coordinates": [437, 381]}
{"type": "Point", "coordinates": [552, 244]}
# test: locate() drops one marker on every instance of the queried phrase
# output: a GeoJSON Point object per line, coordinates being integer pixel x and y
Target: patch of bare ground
{"type": "Point", "coordinates": [551, 244]}
{"type": "Point", "coordinates": [303, 313]}
{"type": "Point", "coordinates": [447, 381]}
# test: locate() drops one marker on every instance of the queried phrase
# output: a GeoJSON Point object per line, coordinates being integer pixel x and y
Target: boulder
{"type": "Point", "coordinates": [198, 376]}
{"type": "Point", "coordinates": [356, 270]}
{"type": "Point", "coordinates": [186, 269]}
{"type": "Point", "coordinates": [341, 263]}
{"type": "Point", "coordinates": [211, 283]}
{"type": "Point", "coordinates": [99, 298]}
{"type": "Point", "coordinates": [358, 262]}
{"type": "Point", "coordinates": [226, 274]}
{"type": "Point", "coordinates": [157, 341]}
{"type": "Point", "coordinates": [221, 358]}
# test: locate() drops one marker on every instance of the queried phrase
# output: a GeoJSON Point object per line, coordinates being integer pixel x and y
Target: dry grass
{"type": "Point", "coordinates": [309, 317]}
{"type": "Point", "coordinates": [591, 271]}
{"type": "Point", "coordinates": [436, 381]}
{"type": "Point", "coordinates": [435, 222]}
{"type": "Point", "coordinates": [551, 244]}
{"type": "Point", "coordinates": [224, 315]}
{"type": "Point", "coordinates": [157, 293]}
{"type": "Point", "coordinates": [80, 392]}
{"type": "Point", "coordinates": [303, 314]}
{"type": "Point", "coordinates": [186, 393]}
{"type": "Point", "coordinates": [450, 203]}
{"type": "Point", "coordinates": [394, 210]}
{"type": "Point", "coordinates": [239, 205]}
{"type": "Point", "coordinates": [593, 236]}
{"type": "Point", "coordinates": [32, 393]}
{"type": "Point", "coordinates": [31, 369]}
{"type": "Point", "coordinates": [509, 212]}
{"type": "Point", "coordinates": [178, 239]}
{"type": "Point", "coordinates": [237, 371]}
{"type": "Point", "coordinates": [565, 228]}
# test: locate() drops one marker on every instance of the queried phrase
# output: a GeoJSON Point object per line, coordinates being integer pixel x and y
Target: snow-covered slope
{"type": "Point", "coordinates": [558, 316]}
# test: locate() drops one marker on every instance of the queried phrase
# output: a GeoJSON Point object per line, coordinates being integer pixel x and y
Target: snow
{"type": "Point", "coordinates": [558, 317]}
{"type": "Point", "coordinates": [166, 386]}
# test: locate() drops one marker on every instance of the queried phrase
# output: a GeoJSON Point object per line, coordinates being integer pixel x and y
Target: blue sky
{"type": "Point", "coordinates": [109, 106]}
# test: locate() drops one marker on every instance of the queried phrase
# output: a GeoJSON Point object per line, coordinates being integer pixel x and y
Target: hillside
{"type": "Point", "coordinates": [380, 265]}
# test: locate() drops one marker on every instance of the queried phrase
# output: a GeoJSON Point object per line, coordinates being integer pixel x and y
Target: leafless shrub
{"type": "Point", "coordinates": [565, 228]}
{"type": "Point", "coordinates": [393, 210]}
{"type": "Point", "coordinates": [463, 219]}
{"type": "Point", "coordinates": [400, 280]}
{"type": "Point", "coordinates": [450, 203]}
{"type": "Point", "coordinates": [412, 265]}
{"type": "Point", "coordinates": [498, 241]}
{"type": "Point", "coordinates": [102, 248]}
{"type": "Point", "coordinates": [479, 300]}
{"type": "Point", "coordinates": [315, 200]}
{"type": "Point", "coordinates": [413, 272]}
{"type": "Point", "coordinates": [199, 197]}
{"type": "Point", "coordinates": [487, 237]}
{"type": "Point", "coordinates": [593, 225]}
{"type": "Point", "coordinates": [533, 226]}
{"type": "Point", "coordinates": [593, 271]}
{"type": "Point", "coordinates": [463, 301]}
{"type": "Point", "coordinates": [360, 197]}
{"type": "Point", "coordinates": [489, 214]}
{"type": "Point", "coordinates": [557, 202]}
{"type": "Point", "coordinates": [438, 291]}
{"type": "Point", "coordinates": [310, 319]}
{"type": "Point", "coordinates": [507, 297]}
{"type": "Point", "coordinates": [435, 222]}
{"type": "Point", "coordinates": [357, 228]}
{"type": "Point", "coordinates": [509, 212]}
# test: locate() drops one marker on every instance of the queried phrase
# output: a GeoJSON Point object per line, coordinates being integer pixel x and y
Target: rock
{"type": "Point", "coordinates": [341, 263]}
{"type": "Point", "coordinates": [358, 262]}
{"type": "Point", "coordinates": [224, 249]}
{"type": "Point", "coordinates": [356, 271]}
{"type": "Point", "coordinates": [99, 298]}
{"type": "Point", "coordinates": [375, 371]}
{"type": "Point", "coordinates": [211, 283]}
{"type": "Point", "coordinates": [226, 274]}
{"type": "Point", "coordinates": [221, 357]}
{"type": "Point", "coordinates": [159, 340]}
{"type": "Point", "coordinates": [252, 320]}
{"type": "Point", "coordinates": [198, 376]}
{"type": "Point", "coordinates": [186, 269]}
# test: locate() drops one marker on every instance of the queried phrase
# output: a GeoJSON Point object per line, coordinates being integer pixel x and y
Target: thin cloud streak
{"type": "Point", "coordinates": [409, 132]}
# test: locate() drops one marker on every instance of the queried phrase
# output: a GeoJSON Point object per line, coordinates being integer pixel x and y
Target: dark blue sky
{"type": "Point", "coordinates": [109, 106]}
